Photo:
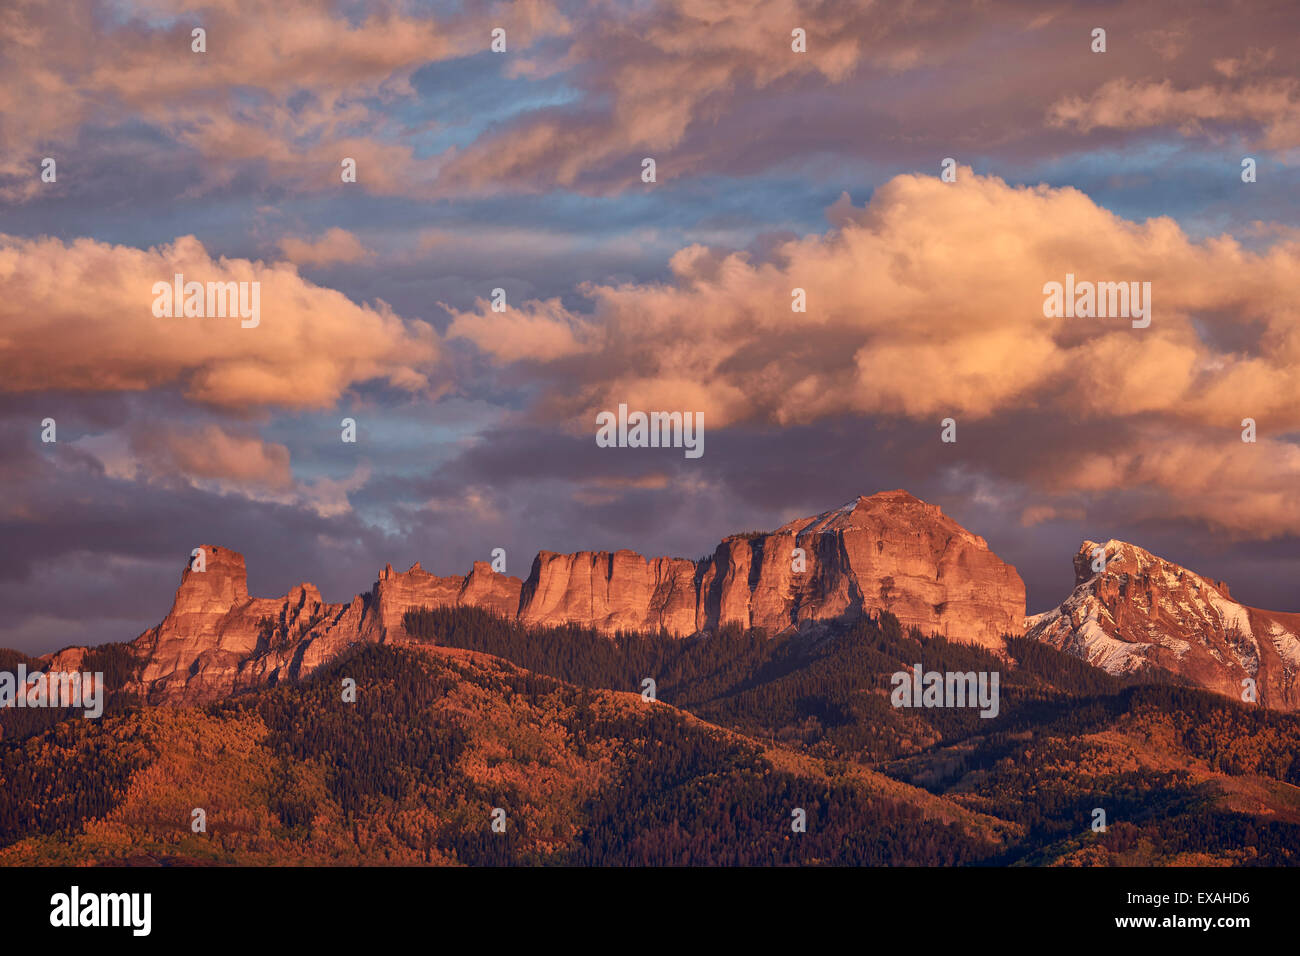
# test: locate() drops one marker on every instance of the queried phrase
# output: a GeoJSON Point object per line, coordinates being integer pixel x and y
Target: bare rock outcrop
{"type": "Point", "coordinates": [888, 551]}
{"type": "Point", "coordinates": [217, 640]}
{"type": "Point", "coordinates": [619, 591]}
{"type": "Point", "coordinates": [1141, 611]}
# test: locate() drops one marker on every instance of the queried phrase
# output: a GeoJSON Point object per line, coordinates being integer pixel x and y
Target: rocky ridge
{"type": "Point", "coordinates": [885, 552]}
{"type": "Point", "coordinates": [889, 551]}
{"type": "Point", "coordinates": [1144, 612]}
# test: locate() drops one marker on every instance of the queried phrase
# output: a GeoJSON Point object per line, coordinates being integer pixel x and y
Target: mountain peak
{"type": "Point", "coordinates": [223, 578]}
{"type": "Point", "coordinates": [896, 494]}
{"type": "Point", "coordinates": [898, 507]}
{"type": "Point", "coordinates": [1124, 557]}
{"type": "Point", "coordinates": [896, 497]}
{"type": "Point", "coordinates": [1143, 611]}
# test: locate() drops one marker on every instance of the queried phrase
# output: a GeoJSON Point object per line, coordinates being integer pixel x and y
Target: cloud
{"type": "Point", "coordinates": [1245, 488]}
{"type": "Point", "coordinates": [713, 87]}
{"type": "Point", "coordinates": [537, 331]}
{"type": "Point", "coordinates": [648, 73]}
{"type": "Point", "coordinates": [1038, 514]}
{"type": "Point", "coordinates": [77, 316]}
{"type": "Point", "coordinates": [222, 459]}
{"type": "Point", "coordinates": [928, 303]}
{"type": "Point", "coordinates": [336, 245]}
{"type": "Point", "coordinates": [291, 86]}
{"type": "Point", "coordinates": [1272, 108]}
{"type": "Point", "coordinates": [170, 451]}
{"type": "Point", "coordinates": [705, 86]}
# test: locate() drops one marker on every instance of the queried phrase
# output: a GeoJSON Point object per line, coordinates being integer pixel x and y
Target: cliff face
{"type": "Point", "coordinates": [395, 593]}
{"type": "Point", "coordinates": [1142, 611]}
{"type": "Point", "coordinates": [217, 640]}
{"type": "Point", "coordinates": [889, 552]}
{"type": "Point", "coordinates": [611, 592]}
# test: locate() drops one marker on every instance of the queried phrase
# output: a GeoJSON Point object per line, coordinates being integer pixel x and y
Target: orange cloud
{"type": "Point", "coordinates": [928, 303]}
{"type": "Point", "coordinates": [336, 245]}
{"type": "Point", "coordinates": [78, 316]}
{"type": "Point", "coordinates": [311, 66]}
{"type": "Point", "coordinates": [930, 300]}
{"type": "Point", "coordinates": [213, 453]}
{"type": "Point", "coordinates": [536, 331]}
{"type": "Point", "coordinates": [672, 66]}
{"type": "Point", "coordinates": [285, 91]}
{"type": "Point", "coordinates": [1273, 106]}
{"type": "Point", "coordinates": [1244, 488]}
{"type": "Point", "coordinates": [218, 458]}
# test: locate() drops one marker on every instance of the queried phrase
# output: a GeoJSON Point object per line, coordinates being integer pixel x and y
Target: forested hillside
{"type": "Point", "coordinates": [548, 728]}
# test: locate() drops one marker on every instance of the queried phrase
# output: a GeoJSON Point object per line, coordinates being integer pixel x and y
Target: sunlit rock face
{"type": "Point", "coordinates": [1141, 611]}
{"type": "Point", "coordinates": [889, 551]}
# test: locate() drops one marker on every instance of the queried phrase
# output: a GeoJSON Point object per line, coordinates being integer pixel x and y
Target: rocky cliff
{"type": "Point", "coordinates": [888, 551]}
{"type": "Point", "coordinates": [611, 592]}
{"type": "Point", "coordinates": [217, 640]}
{"type": "Point", "coordinates": [1142, 611]}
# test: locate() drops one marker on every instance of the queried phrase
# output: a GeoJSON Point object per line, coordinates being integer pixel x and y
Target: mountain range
{"type": "Point", "coordinates": [614, 710]}
{"type": "Point", "coordinates": [885, 552]}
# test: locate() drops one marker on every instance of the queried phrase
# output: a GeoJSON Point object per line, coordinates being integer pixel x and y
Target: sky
{"type": "Point", "coordinates": [776, 169]}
